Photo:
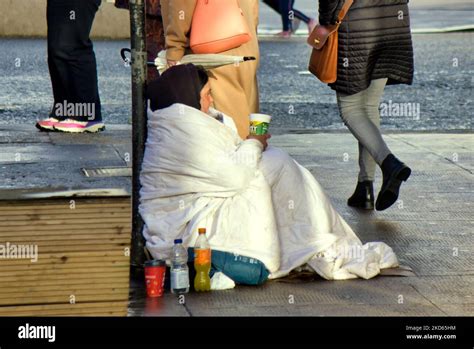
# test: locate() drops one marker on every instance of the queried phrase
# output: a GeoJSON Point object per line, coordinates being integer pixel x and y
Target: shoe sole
{"type": "Point", "coordinates": [390, 195]}
{"type": "Point", "coordinates": [92, 129]}
{"type": "Point", "coordinates": [366, 206]}
{"type": "Point", "coordinates": [44, 128]}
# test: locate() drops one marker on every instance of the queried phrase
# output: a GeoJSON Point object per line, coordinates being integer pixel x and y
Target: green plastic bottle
{"type": "Point", "coordinates": [202, 262]}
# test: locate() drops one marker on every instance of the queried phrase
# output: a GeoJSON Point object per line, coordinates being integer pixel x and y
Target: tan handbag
{"type": "Point", "coordinates": [324, 40]}
{"type": "Point", "coordinates": [218, 26]}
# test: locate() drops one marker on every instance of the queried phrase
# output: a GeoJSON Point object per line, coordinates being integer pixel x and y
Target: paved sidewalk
{"type": "Point", "coordinates": [430, 229]}
{"type": "Point", "coordinates": [34, 161]}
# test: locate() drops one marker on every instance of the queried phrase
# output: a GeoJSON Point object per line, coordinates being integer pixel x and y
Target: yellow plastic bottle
{"type": "Point", "coordinates": [202, 262]}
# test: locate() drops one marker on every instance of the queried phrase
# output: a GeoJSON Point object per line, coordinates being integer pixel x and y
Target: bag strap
{"type": "Point", "coordinates": [345, 8]}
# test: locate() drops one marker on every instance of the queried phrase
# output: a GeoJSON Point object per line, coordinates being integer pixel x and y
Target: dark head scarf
{"type": "Point", "coordinates": [178, 84]}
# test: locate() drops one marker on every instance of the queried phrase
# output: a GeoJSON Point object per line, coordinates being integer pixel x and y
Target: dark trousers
{"type": "Point", "coordinates": [71, 58]}
{"type": "Point", "coordinates": [286, 6]}
{"type": "Point", "coordinates": [283, 7]}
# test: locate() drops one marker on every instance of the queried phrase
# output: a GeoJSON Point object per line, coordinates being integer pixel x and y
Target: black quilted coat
{"type": "Point", "coordinates": [374, 43]}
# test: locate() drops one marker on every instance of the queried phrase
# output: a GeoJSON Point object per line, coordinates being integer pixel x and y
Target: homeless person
{"type": "Point", "coordinates": [254, 200]}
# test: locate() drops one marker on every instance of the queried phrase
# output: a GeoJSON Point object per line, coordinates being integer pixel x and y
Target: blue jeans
{"type": "Point", "coordinates": [275, 4]}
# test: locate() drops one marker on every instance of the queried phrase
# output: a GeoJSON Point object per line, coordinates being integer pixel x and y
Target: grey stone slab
{"type": "Point", "coordinates": [457, 309]}
{"type": "Point", "coordinates": [449, 205]}
{"type": "Point", "coordinates": [458, 150]}
{"type": "Point", "coordinates": [19, 137]}
{"type": "Point", "coordinates": [32, 153]}
{"type": "Point", "coordinates": [344, 146]}
{"type": "Point", "coordinates": [59, 176]}
{"type": "Point", "coordinates": [437, 261]}
{"type": "Point", "coordinates": [446, 290]}
{"type": "Point", "coordinates": [56, 164]}
{"type": "Point", "coordinates": [113, 136]}
{"type": "Point", "coordinates": [167, 305]}
{"type": "Point", "coordinates": [435, 252]}
{"type": "Point", "coordinates": [380, 290]}
{"type": "Point", "coordinates": [403, 210]}
{"type": "Point", "coordinates": [409, 213]}
{"type": "Point", "coordinates": [322, 310]}
{"type": "Point", "coordinates": [416, 201]}
{"type": "Point", "coordinates": [382, 296]}
{"type": "Point", "coordinates": [124, 151]}
{"type": "Point", "coordinates": [439, 141]}
{"type": "Point", "coordinates": [141, 305]}
{"type": "Point", "coordinates": [422, 234]}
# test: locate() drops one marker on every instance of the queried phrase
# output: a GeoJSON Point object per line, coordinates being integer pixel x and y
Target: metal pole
{"type": "Point", "coordinates": [139, 66]}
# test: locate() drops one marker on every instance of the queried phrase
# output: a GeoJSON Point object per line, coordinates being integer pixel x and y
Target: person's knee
{"type": "Point", "coordinates": [373, 100]}
{"type": "Point", "coordinates": [60, 50]}
{"type": "Point", "coordinates": [373, 114]}
{"type": "Point", "coordinates": [276, 155]}
{"type": "Point", "coordinates": [69, 50]}
{"type": "Point", "coordinates": [350, 107]}
{"type": "Point", "coordinates": [351, 115]}
{"type": "Point", "coordinates": [273, 161]}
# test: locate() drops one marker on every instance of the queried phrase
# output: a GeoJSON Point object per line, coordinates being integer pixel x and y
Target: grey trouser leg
{"type": "Point", "coordinates": [360, 113]}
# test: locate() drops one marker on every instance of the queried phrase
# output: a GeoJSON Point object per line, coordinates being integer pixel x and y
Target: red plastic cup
{"type": "Point", "coordinates": [155, 277]}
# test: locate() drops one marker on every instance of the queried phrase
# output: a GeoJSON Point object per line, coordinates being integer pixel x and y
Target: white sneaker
{"type": "Point", "coordinates": [74, 126]}
{"type": "Point", "coordinates": [47, 124]}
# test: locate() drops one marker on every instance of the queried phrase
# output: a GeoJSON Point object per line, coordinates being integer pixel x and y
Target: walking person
{"type": "Point", "coordinates": [72, 67]}
{"type": "Point", "coordinates": [375, 49]}
{"type": "Point", "coordinates": [234, 87]}
{"type": "Point", "coordinates": [287, 11]}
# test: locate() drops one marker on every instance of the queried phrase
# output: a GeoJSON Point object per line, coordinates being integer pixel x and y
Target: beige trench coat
{"type": "Point", "coordinates": [235, 89]}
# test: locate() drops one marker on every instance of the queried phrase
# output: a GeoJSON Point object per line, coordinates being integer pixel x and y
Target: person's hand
{"type": "Point", "coordinates": [262, 138]}
{"type": "Point", "coordinates": [172, 63]}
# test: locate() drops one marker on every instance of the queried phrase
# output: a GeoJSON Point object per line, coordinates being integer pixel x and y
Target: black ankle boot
{"type": "Point", "coordinates": [394, 172]}
{"type": "Point", "coordinates": [363, 196]}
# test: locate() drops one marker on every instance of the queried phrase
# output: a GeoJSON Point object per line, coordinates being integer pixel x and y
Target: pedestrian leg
{"type": "Point", "coordinates": [71, 57]}
{"type": "Point", "coordinates": [286, 13]}
{"type": "Point", "coordinates": [353, 111]}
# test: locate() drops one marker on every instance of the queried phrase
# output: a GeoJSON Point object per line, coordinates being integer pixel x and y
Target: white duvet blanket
{"type": "Point", "coordinates": [197, 172]}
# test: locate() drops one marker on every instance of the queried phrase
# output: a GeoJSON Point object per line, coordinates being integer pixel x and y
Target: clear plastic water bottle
{"type": "Point", "coordinates": [179, 268]}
